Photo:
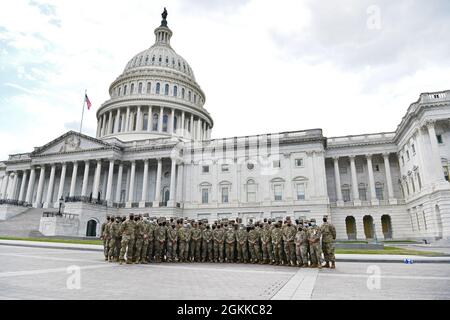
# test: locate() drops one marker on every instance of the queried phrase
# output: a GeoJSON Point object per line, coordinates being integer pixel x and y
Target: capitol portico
{"type": "Point", "coordinates": [153, 153]}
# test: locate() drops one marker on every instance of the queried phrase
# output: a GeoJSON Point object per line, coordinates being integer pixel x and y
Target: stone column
{"type": "Point", "coordinates": [161, 116]}
{"type": "Point", "coordinates": [144, 185]}
{"type": "Point", "coordinates": [172, 121]}
{"type": "Point", "coordinates": [98, 170]}
{"type": "Point", "coordinates": [12, 193]}
{"type": "Point", "coordinates": [179, 191]}
{"type": "Point", "coordinates": [356, 200]}
{"type": "Point", "coordinates": [438, 175]}
{"type": "Point", "coordinates": [192, 131]}
{"type": "Point", "coordinates": [40, 189]}
{"type": "Point", "coordinates": [51, 183]}
{"type": "Point", "coordinates": [2, 186]}
{"type": "Point", "coordinates": [199, 129]}
{"type": "Point", "coordinates": [182, 124]}
{"type": "Point", "coordinates": [99, 127]}
{"type": "Point", "coordinates": [29, 196]}
{"type": "Point", "coordinates": [62, 181]}
{"type": "Point", "coordinates": [337, 178]}
{"type": "Point", "coordinates": [85, 179]}
{"type": "Point", "coordinates": [109, 123]}
{"type": "Point", "coordinates": [110, 181]}
{"type": "Point", "coordinates": [104, 125]}
{"type": "Point", "coordinates": [373, 195]}
{"type": "Point", "coordinates": [5, 186]}
{"type": "Point", "coordinates": [172, 196]}
{"type": "Point", "coordinates": [139, 119]}
{"type": "Point", "coordinates": [387, 169]}
{"type": "Point", "coordinates": [73, 182]}
{"type": "Point", "coordinates": [119, 182]}
{"type": "Point", "coordinates": [116, 129]}
{"type": "Point", "coordinates": [158, 184]}
{"type": "Point", "coordinates": [150, 119]}
{"type": "Point", "coordinates": [127, 120]}
{"type": "Point", "coordinates": [22, 185]}
{"type": "Point", "coordinates": [133, 174]}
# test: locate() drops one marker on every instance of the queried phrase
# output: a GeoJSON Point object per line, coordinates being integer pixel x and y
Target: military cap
{"type": "Point", "coordinates": [313, 220]}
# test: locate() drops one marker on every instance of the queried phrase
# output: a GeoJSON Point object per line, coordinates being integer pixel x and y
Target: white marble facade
{"type": "Point", "coordinates": [153, 153]}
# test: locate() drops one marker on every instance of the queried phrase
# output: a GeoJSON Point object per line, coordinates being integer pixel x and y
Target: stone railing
{"type": "Point", "coordinates": [333, 204]}
{"type": "Point", "coordinates": [15, 203]}
{"type": "Point", "coordinates": [86, 200]}
{"type": "Point", "coordinates": [60, 215]}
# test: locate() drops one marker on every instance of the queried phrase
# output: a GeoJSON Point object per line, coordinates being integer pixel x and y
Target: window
{"type": "Point", "coordinates": [407, 155]}
{"type": "Point", "coordinates": [182, 93]}
{"type": "Point", "coordinates": [377, 167]}
{"type": "Point", "coordinates": [224, 194]}
{"type": "Point", "coordinates": [276, 164]}
{"type": "Point", "coordinates": [413, 148]}
{"type": "Point", "coordinates": [189, 95]}
{"type": "Point", "coordinates": [149, 87]}
{"type": "Point", "coordinates": [345, 193]}
{"type": "Point", "coordinates": [145, 120]}
{"type": "Point", "coordinates": [125, 90]}
{"type": "Point", "coordinates": [439, 139]}
{"type": "Point", "coordinates": [300, 191]}
{"type": "Point", "coordinates": [446, 173]}
{"type": "Point", "coordinates": [250, 166]}
{"type": "Point", "coordinates": [251, 191]}
{"type": "Point", "coordinates": [158, 88]}
{"type": "Point", "coordinates": [379, 191]}
{"type": "Point", "coordinates": [132, 88]}
{"type": "Point", "coordinates": [299, 162]}
{"type": "Point", "coordinates": [278, 192]}
{"type": "Point", "coordinates": [342, 169]}
{"type": "Point", "coordinates": [120, 90]}
{"type": "Point", "coordinates": [165, 122]}
{"type": "Point", "coordinates": [140, 88]}
{"type": "Point", "coordinates": [419, 181]}
{"type": "Point", "coordinates": [225, 168]}
{"type": "Point", "coordinates": [195, 98]}
{"type": "Point", "coordinates": [155, 122]}
{"type": "Point", "coordinates": [175, 91]}
{"type": "Point", "coordinates": [403, 161]}
{"type": "Point", "coordinates": [205, 169]}
{"type": "Point", "coordinates": [413, 185]}
{"type": "Point", "coordinates": [205, 194]}
{"type": "Point", "coordinates": [359, 167]}
{"type": "Point", "coordinates": [362, 190]}
{"type": "Point", "coordinates": [166, 89]}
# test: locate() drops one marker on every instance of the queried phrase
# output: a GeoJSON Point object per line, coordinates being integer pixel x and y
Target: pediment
{"type": "Point", "coordinates": [71, 142]}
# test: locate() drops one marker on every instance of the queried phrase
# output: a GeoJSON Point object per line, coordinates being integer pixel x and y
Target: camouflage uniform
{"type": "Point", "coordinates": [184, 236]}
{"type": "Point", "coordinates": [314, 245]}
{"type": "Point", "coordinates": [104, 238]}
{"type": "Point", "coordinates": [113, 240]}
{"type": "Point", "coordinates": [253, 244]}
{"type": "Point", "coordinates": [241, 239]}
{"type": "Point", "coordinates": [289, 245]}
{"type": "Point", "coordinates": [127, 229]}
{"type": "Point", "coordinates": [207, 246]}
{"type": "Point", "coordinates": [230, 239]}
{"type": "Point", "coordinates": [276, 243]}
{"type": "Point", "coordinates": [301, 248]}
{"type": "Point", "coordinates": [160, 240]}
{"type": "Point", "coordinates": [266, 244]}
{"type": "Point", "coordinates": [139, 234]}
{"type": "Point", "coordinates": [328, 232]}
{"type": "Point", "coordinates": [145, 242]}
{"type": "Point", "coordinates": [172, 238]}
{"type": "Point", "coordinates": [219, 240]}
{"type": "Point", "coordinates": [151, 241]}
{"type": "Point", "coordinates": [196, 242]}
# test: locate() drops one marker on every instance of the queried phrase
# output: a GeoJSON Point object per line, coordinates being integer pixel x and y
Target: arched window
{"type": "Point", "coordinates": [175, 91]}
{"type": "Point", "coordinates": [125, 90]}
{"type": "Point", "coordinates": [155, 122]}
{"type": "Point", "coordinates": [91, 229]}
{"type": "Point", "coordinates": [182, 93]}
{"type": "Point", "coordinates": [145, 124]}
{"type": "Point", "coordinates": [368, 227]}
{"type": "Point", "coordinates": [140, 88]}
{"type": "Point", "coordinates": [189, 95]}
{"type": "Point", "coordinates": [195, 98]}
{"type": "Point", "coordinates": [251, 190]}
{"type": "Point", "coordinates": [386, 226]}
{"type": "Point", "coordinates": [149, 87]}
{"type": "Point", "coordinates": [132, 88]}
{"type": "Point", "coordinates": [165, 122]}
{"type": "Point", "coordinates": [153, 59]}
{"type": "Point", "coordinates": [120, 91]}
{"type": "Point", "coordinates": [350, 226]}
{"type": "Point", "coordinates": [166, 89]}
{"type": "Point", "coordinates": [167, 60]}
{"type": "Point", "coordinates": [158, 88]}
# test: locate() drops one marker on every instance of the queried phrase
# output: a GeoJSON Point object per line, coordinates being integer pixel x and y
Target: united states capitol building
{"type": "Point", "coordinates": [153, 153]}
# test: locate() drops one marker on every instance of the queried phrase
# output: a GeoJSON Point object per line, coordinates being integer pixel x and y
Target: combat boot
{"type": "Point", "coordinates": [137, 261]}
{"type": "Point", "coordinates": [333, 266]}
{"type": "Point", "coordinates": [129, 261]}
{"type": "Point", "coordinates": [327, 264]}
{"type": "Point", "coordinates": [121, 261]}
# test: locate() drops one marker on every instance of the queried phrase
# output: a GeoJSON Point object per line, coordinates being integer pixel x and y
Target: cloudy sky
{"type": "Point", "coordinates": [348, 67]}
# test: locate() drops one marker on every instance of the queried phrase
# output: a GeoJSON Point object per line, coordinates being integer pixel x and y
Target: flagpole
{"type": "Point", "coordinates": [82, 112]}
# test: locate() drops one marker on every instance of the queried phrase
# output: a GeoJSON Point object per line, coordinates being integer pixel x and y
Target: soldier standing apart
{"type": "Point", "coordinates": [276, 243]}
{"type": "Point", "coordinates": [328, 237]}
{"type": "Point", "coordinates": [289, 245]}
{"type": "Point", "coordinates": [266, 244]}
{"type": "Point", "coordinates": [241, 238]}
{"type": "Point", "coordinates": [114, 238]}
{"type": "Point", "coordinates": [127, 229]}
{"type": "Point", "coordinates": [314, 244]}
{"type": "Point", "coordinates": [172, 238]}
{"type": "Point", "coordinates": [301, 246]}
{"type": "Point", "coordinates": [104, 238]}
{"type": "Point", "coordinates": [230, 239]}
{"type": "Point", "coordinates": [219, 239]}
{"type": "Point", "coordinates": [207, 246]}
{"type": "Point", "coordinates": [196, 242]}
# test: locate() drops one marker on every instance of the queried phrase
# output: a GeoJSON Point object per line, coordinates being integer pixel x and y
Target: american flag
{"type": "Point", "coordinates": [88, 102]}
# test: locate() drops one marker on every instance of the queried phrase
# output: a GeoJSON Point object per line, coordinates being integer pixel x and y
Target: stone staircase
{"type": "Point", "coordinates": [23, 225]}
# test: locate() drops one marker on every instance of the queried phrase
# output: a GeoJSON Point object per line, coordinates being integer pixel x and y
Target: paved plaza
{"type": "Point", "coordinates": [39, 273]}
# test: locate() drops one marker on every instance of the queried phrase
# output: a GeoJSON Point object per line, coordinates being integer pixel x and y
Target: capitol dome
{"type": "Point", "coordinates": [156, 96]}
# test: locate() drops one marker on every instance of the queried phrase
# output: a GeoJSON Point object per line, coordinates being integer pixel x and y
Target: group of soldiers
{"type": "Point", "coordinates": [145, 239]}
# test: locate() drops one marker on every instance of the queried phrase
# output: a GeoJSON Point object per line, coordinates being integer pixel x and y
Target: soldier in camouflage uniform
{"type": "Point", "coordinates": [146, 231]}
{"type": "Point", "coordinates": [301, 246]}
{"type": "Point", "coordinates": [196, 242]}
{"type": "Point", "coordinates": [277, 235]}
{"type": "Point", "coordinates": [207, 245]}
{"type": "Point", "coordinates": [219, 240]}
{"type": "Point", "coordinates": [314, 244]}
{"type": "Point", "coordinates": [184, 237]}
{"type": "Point", "coordinates": [139, 235]}
{"type": "Point", "coordinates": [253, 244]}
{"type": "Point", "coordinates": [328, 232]}
{"type": "Point", "coordinates": [289, 245]}
{"type": "Point", "coordinates": [172, 239]}
{"type": "Point", "coordinates": [241, 240]}
{"type": "Point", "coordinates": [266, 243]}
{"type": "Point", "coordinates": [104, 236]}
{"type": "Point", "coordinates": [127, 229]}
{"type": "Point", "coordinates": [230, 239]}
{"type": "Point", "coordinates": [114, 239]}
